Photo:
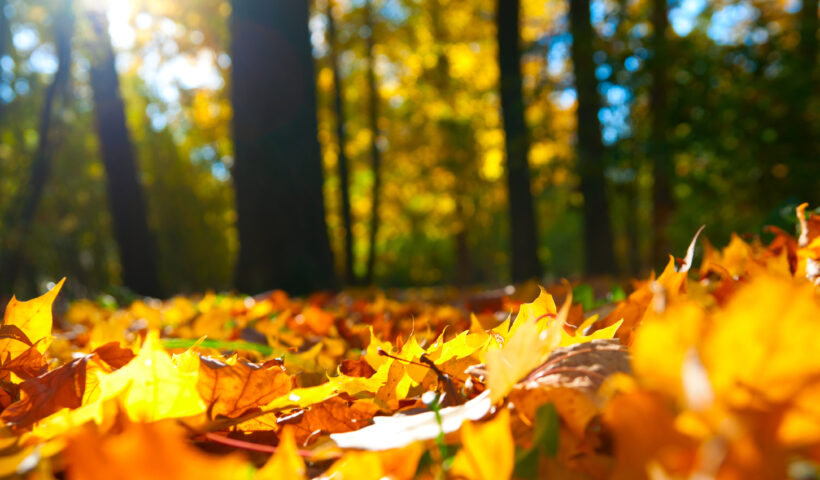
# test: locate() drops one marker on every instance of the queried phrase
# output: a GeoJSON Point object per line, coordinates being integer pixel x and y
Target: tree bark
{"type": "Point", "coordinates": [807, 75]}
{"type": "Point", "coordinates": [525, 264]}
{"type": "Point", "coordinates": [29, 198]}
{"type": "Point", "coordinates": [135, 241]}
{"type": "Point", "coordinates": [277, 171]}
{"type": "Point", "coordinates": [375, 153]}
{"type": "Point", "coordinates": [5, 35]}
{"type": "Point", "coordinates": [342, 161]}
{"type": "Point", "coordinates": [662, 169]}
{"type": "Point", "coordinates": [600, 258]}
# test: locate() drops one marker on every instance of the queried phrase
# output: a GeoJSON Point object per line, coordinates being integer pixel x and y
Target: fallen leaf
{"type": "Point", "coordinates": [232, 390]}
{"type": "Point", "coordinates": [527, 347]}
{"type": "Point", "coordinates": [398, 464]}
{"type": "Point", "coordinates": [60, 388]}
{"type": "Point", "coordinates": [569, 379]}
{"type": "Point", "coordinates": [33, 319]}
{"type": "Point", "coordinates": [334, 415]}
{"type": "Point", "coordinates": [29, 364]}
{"type": "Point", "coordinates": [142, 451]}
{"type": "Point", "coordinates": [285, 463]}
{"type": "Point", "coordinates": [400, 430]}
{"type": "Point", "coordinates": [488, 450]}
{"type": "Point", "coordinates": [153, 385]}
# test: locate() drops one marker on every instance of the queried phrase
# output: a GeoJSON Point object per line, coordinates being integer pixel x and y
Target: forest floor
{"type": "Point", "coordinates": [708, 372]}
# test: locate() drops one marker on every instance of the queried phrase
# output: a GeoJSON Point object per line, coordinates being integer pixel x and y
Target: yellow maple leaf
{"type": "Point", "coordinates": [33, 318]}
{"type": "Point", "coordinates": [154, 385]}
{"type": "Point", "coordinates": [532, 337]}
{"type": "Point", "coordinates": [397, 464]}
{"type": "Point", "coordinates": [488, 451]}
{"type": "Point", "coordinates": [286, 462]}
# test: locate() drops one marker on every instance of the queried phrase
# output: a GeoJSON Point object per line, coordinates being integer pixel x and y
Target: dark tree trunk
{"type": "Point", "coordinates": [344, 182]}
{"type": "Point", "coordinates": [29, 199]}
{"type": "Point", "coordinates": [525, 264]}
{"type": "Point", "coordinates": [278, 170]}
{"type": "Point", "coordinates": [135, 241]}
{"type": "Point", "coordinates": [597, 224]}
{"type": "Point", "coordinates": [5, 35]}
{"type": "Point", "coordinates": [662, 169]}
{"type": "Point", "coordinates": [375, 153]}
{"type": "Point", "coordinates": [808, 76]}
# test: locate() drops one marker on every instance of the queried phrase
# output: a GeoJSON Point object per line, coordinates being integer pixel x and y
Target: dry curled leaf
{"type": "Point", "coordinates": [232, 390]}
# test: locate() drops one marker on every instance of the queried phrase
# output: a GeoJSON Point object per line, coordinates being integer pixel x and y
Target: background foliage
{"type": "Point", "coordinates": [743, 113]}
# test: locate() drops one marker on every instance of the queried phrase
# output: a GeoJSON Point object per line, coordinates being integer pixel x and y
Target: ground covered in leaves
{"type": "Point", "coordinates": [709, 372]}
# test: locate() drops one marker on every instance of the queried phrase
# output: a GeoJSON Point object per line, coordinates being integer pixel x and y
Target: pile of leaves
{"type": "Point", "coordinates": [711, 373]}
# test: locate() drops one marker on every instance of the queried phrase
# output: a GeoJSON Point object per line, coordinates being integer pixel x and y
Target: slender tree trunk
{"type": "Point", "coordinates": [662, 169]}
{"type": "Point", "coordinates": [375, 153]}
{"type": "Point", "coordinates": [525, 264]}
{"type": "Point", "coordinates": [283, 239]}
{"type": "Point", "coordinates": [597, 223]}
{"type": "Point", "coordinates": [4, 38]}
{"type": "Point", "coordinates": [808, 76]}
{"type": "Point", "coordinates": [30, 198]}
{"type": "Point", "coordinates": [342, 161]}
{"type": "Point", "coordinates": [135, 241]}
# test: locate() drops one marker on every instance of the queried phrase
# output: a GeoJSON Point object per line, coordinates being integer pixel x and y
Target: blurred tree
{"type": "Point", "coordinates": [598, 237]}
{"type": "Point", "coordinates": [375, 152]}
{"type": "Point", "coordinates": [808, 81]}
{"type": "Point", "coordinates": [5, 35]}
{"type": "Point", "coordinates": [524, 263]}
{"type": "Point", "coordinates": [277, 172]}
{"type": "Point", "coordinates": [454, 146]}
{"type": "Point", "coordinates": [136, 243]}
{"type": "Point", "coordinates": [341, 136]}
{"type": "Point", "coordinates": [662, 168]}
{"type": "Point", "coordinates": [28, 199]}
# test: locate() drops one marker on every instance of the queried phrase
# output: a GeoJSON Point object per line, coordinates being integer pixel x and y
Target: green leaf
{"type": "Point", "coordinates": [584, 295]}
{"type": "Point", "coordinates": [545, 442]}
{"type": "Point", "coordinates": [547, 430]}
{"type": "Point", "coordinates": [616, 294]}
{"type": "Point", "coordinates": [219, 345]}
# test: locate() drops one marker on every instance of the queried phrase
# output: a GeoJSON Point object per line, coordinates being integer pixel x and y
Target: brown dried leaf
{"type": "Point", "coordinates": [356, 368]}
{"type": "Point", "coordinates": [29, 364]}
{"type": "Point", "coordinates": [334, 415]}
{"type": "Point", "coordinates": [60, 388]}
{"type": "Point", "coordinates": [114, 355]}
{"type": "Point", "coordinates": [232, 390]}
{"type": "Point", "coordinates": [569, 380]}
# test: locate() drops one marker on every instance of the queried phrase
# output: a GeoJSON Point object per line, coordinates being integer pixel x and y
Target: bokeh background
{"type": "Point", "coordinates": [715, 120]}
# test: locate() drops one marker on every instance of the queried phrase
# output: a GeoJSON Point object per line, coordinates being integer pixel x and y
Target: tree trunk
{"type": "Point", "coordinates": [525, 264]}
{"type": "Point", "coordinates": [597, 224]}
{"type": "Point", "coordinates": [662, 169]}
{"type": "Point", "coordinates": [375, 153]}
{"type": "Point", "coordinates": [5, 35]}
{"type": "Point", "coordinates": [135, 241]}
{"type": "Point", "coordinates": [807, 75]}
{"type": "Point", "coordinates": [278, 170]}
{"type": "Point", "coordinates": [342, 162]}
{"type": "Point", "coordinates": [29, 198]}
